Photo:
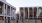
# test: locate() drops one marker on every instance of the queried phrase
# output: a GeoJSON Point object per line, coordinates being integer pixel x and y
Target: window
{"type": "Point", "coordinates": [21, 13]}
{"type": "Point", "coordinates": [40, 11]}
{"type": "Point", "coordinates": [35, 11]}
{"type": "Point", "coordinates": [8, 10]}
{"type": "Point", "coordinates": [12, 18]}
{"type": "Point", "coordinates": [26, 13]}
{"type": "Point", "coordinates": [8, 18]}
{"type": "Point", "coordinates": [30, 12]}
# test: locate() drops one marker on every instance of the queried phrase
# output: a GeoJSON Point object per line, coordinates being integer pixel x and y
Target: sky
{"type": "Point", "coordinates": [24, 3]}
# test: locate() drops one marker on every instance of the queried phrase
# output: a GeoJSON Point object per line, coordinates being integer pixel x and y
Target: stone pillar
{"type": "Point", "coordinates": [33, 12]}
{"type": "Point", "coordinates": [28, 13]}
{"type": "Point", "coordinates": [4, 11]}
{"type": "Point", "coordinates": [37, 13]}
{"type": "Point", "coordinates": [19, 15]}
{"type": "Point", "coordinates": [23, 13]}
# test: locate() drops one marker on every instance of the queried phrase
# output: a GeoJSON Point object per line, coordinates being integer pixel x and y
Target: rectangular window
{"type": "Point", "coordinates": [21, 13]}
{"type": "Point", "coordinates": [30, 12]}
{"type": "Point", "coordinates": [12, 18]}
{"type": "Point", "coordinates": [8, 10]}
{"type": "Point", "coordinates": [26, 13]}
{"type": "Point", "coordinates": [40, 12]}
{"type": "Point", "coordinates": [35, 11]}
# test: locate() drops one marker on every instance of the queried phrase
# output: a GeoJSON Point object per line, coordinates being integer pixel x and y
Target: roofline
{"type": "Point", "coordinates": [7, 4]}
{"type": "Point", "coordinates": [31, 6]}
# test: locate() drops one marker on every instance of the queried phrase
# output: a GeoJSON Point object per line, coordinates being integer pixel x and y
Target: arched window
{"type": "Point", "coordinates": [30, 12]}
{"type": "Point", "coordinates": [35, 11]}
{"type": "Point", "coordinates": [40, 12]}
{"type": "Point", "coordinates": [21, 13]}
{"type": "Point", "coordinates": [26, 13]}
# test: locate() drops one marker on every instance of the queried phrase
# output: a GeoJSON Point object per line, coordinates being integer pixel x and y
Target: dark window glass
{"type": "Point", "coordinates": [30, 12]}
{"type": "Point", "coordinates": [40, 12]}
{"type": "Point", "coordinates": [8, 18]}
{"type": "Point", "coordinates": [26, 13]}
{"type": "Point", "coordinates": [35, 11]}
{"type": "Point", "coordinates": [21, 13]}
{"type": "Point", "coordinates": [8, 10]}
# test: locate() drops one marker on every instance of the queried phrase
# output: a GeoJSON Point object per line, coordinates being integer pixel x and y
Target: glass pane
{"type": "Point", "coordinates": [8, 18]}
{"type": "Point", "coordinates": [21, 13]}
{"type": "Point", "coordinates": [30, 12]}
{"type": "Point", "coordinates": [35, 11]}
{"type": "Point", "coordinates": [40, 12]}
{"type": "Point", "coordinates": [8, 10]}
{"type": "Point", "coordinates": [26, 13]}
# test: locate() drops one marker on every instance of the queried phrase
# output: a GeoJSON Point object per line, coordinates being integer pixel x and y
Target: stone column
{"type": "Point", "coordinates": [33, 12]}
{"type": "Point", "coordinates": [23, 13]}
{"type": "Point", "coordinates": [4, 11]}
{"type": "Point", "coordinates": [19, 14]}
{"type": "Point", "coordinates": [28, 13]}
{"type": "Point", "coordinates": [37, 13]}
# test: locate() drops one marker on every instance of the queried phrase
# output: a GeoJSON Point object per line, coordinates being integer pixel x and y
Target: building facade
{"type": "Point", "coordinates": [6, 11]}
{"type": "Point", "coordinates": [31, 14]}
